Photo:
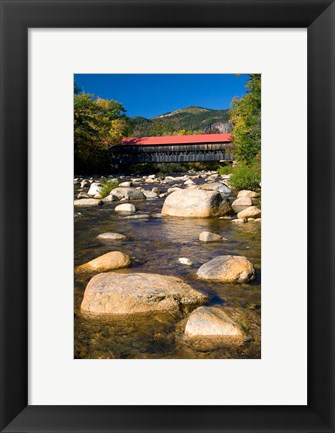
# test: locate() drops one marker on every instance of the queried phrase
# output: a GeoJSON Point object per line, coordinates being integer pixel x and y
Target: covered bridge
{"type": "Point", "coordinates": [175, 148]}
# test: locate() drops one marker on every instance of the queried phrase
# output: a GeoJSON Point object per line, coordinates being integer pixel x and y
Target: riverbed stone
{"type": "Point", "coordinates": [250, 212]}
{"type": "Point", "coordinates": [210, 327]}
{"type": "Point", "coordinates": [227, 269]}
{"type": "Point", "coordinates": [217, 186]}
{"type": "Point", "coordinates": [111, 197]}
{"type": "Point", "coordinates": [239, 220]}
{"type": "Point", "coordinates": [83, 195]}
{"type": "Point", "coordinates": [125, 184]}
{"type": "Point", "coordinates": [137, 217]}
{"type": "Point", "coordinates": [185, 261]}
{"type": "Point", "coordinates": [247, 193]}
{"type": "Point", "coordinates": [150, 194]}
{"type": "Point", "coordinates": [109, 236]}
{"type": "Point", "coordinates": [241, 203]}
{"type": "Point", "coordinates": [107, 262]}
{"type": "Point", "coordinates": [88, 202]}
{"type": "Point", "coordinates": [94, 189]}
{"type": "Point", "coordinates": [112, 293]}
{"type": "Point", "coordinates": [209, 237]}
{"type": "Point", "coordinates": [129, 193]}
{"type": "Point", "coordinates": [126, 207]}
{"type": "Point", "coordinates": [196, 203]}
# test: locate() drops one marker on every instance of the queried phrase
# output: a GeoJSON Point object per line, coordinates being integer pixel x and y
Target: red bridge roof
{"type": "Point", "coordinates": [177, 139]}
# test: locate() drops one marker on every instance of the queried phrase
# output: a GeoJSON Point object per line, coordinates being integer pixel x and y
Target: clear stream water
{"type": "Point", "coordinates": [155, 244]}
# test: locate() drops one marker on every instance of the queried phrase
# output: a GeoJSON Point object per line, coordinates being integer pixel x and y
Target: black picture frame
{"type": "Point", "coordinates": [318, 16]}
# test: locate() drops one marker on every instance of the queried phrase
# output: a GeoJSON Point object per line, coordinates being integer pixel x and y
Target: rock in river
{"type": "Point", "coordinates": [94, 188]}
{"type": "Point", "coordinates": [241, 203]}
{"type": "Point", "coordinates": [107, 262]}
{"type": "Point", "coordinates": [227, 269]}
{"type": "Point", "coordinates": [213, 327]}
{"type": "Point", "coordinates": [195, 203]}
{"type": "Point", "coordinates": [126, 207]}
{"type": "Point", "coordinates": [185, 261]}
{"type": "Point", "coordinates": [250, 212]}
{"type": "Point", "coordinates": [111, 236]}
{"type": "Point", "coordinates": [210, 237]}
{"type": "Point", "coordinates": [129, 193]}
{"type": "Point", "coordinates": [88, 202]}
{"type": "Point", "coordinates": [113, 293]}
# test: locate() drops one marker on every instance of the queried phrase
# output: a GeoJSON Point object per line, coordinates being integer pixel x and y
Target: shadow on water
{"type": "Point", "coordinates": [155, 245]}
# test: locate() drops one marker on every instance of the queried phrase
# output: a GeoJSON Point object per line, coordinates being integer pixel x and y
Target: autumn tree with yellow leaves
{"type": "Point", "coordinates": [98, 125]}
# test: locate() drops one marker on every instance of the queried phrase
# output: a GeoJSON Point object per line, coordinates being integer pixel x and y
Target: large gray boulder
{"type": "Point", "coordinates": [196, 203]}
{"type": "Point", "coordinates": [211, 327]}
{"type": "Point", "coordinates": [113, 293]}
{"type": "Point", "coordinates": [227, 269]}
{"type": "Point", "coordinates": [128, 193]}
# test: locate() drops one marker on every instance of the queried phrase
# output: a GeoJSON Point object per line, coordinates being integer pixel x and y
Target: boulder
{"type": "Point", "coordinates": [129, 193]}
{"type": "Point", "coordinates": [213, 327]}
{"type": "Point", "coordinates": [250, 212]}
{"type": "Point", "coordinates": [88, 202]}
{"type": "Point", "coordinates": [111, 236]}
{"type": "Point", "coordinates": [156, 190]}
{"type": "Point", "coordinates": [107, 262]}
{"type": "Point", "coordinates": [247, 193]}
{"type": "Point", "coordinates": [241, 203]}
{"type": "Point", "coordinates": [113, 293]}
{"type": "Point", "coordinates": [227, 269]}
{"type": "Point", "coordinates": [210, 237]}
{"type": "Point", "coordinates": [94, 189]}
{"type": "Point", "coordinates": [195, 203]}
{"type": "Point", "coordinates": [126, 207]}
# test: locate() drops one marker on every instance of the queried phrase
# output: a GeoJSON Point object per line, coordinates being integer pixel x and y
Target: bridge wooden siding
{"type": "Point", "coordinates": [187, 148]}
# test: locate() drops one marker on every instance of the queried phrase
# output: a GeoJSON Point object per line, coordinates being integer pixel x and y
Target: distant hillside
{"type": "Point", "coordinates": [189, 120]}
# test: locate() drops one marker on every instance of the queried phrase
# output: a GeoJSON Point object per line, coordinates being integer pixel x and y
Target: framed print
{"type": "Point", "coordinates": [151, 361]}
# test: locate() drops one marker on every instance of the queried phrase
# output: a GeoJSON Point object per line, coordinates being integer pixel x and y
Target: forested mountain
{"type": "Point", "coordinates": [189, 120]}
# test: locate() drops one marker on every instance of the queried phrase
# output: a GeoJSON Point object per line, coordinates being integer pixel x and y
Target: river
{"type": "Point", "coordinates": [155, 245]}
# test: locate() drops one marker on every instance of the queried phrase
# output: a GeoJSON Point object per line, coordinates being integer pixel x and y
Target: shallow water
{"type": "Point", "coordinates": [155, 244]}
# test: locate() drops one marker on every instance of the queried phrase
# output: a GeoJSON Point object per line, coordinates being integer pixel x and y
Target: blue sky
{"type": "Point", "coordinates": [149, 95]}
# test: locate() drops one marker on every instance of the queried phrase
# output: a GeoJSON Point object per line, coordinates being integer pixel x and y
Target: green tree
{"type": "Point", "coordinates": [246, 118]}
{"type": "Point", "coordinates": [98, 125]}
